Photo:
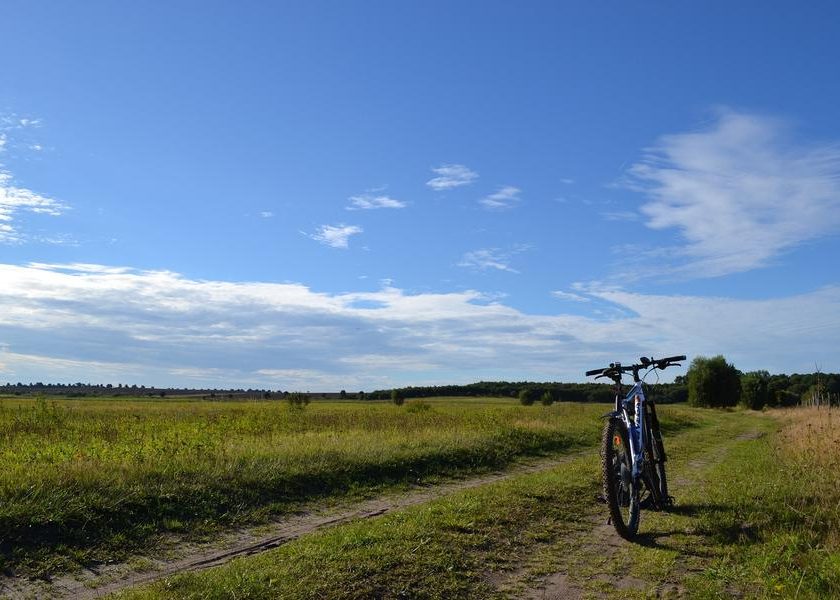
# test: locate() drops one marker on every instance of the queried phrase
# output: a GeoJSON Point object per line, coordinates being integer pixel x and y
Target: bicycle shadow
{"type": "Point", "coordinates": [659, 539]}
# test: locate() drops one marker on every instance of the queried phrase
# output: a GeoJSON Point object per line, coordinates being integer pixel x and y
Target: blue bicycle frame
{"type": "Point", "coordinates": [635, 426]}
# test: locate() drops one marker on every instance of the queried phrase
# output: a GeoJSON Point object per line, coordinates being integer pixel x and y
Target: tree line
{"type": "Point", "coordinates": [531, 391]}
{"type": "Point", "coordinates": [716, 382]}
{"type": "Point", "coordinates": [709, 382]}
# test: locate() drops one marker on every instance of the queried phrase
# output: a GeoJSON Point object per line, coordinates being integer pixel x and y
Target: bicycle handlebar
{"type": "Point", "coordinates": [644, 362]}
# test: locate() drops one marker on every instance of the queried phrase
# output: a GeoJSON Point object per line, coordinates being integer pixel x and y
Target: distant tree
{"type": "Point", "coordinates": [361, 395]}
{"type": "Point", "coordinates": [754, 389]}
{"type": "Point", "coordinates": [547, 398]}
{"type": "Point", "coordinates": [713, 382]}
{"type": "Point", "coordinates": [526, 396]}
{"type": "Point", "coordinates": [397, 398]}
{"type": "Point", "coordinates": [343, 395]}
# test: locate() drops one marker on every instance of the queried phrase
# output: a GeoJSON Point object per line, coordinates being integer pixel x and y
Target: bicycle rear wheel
{"type": "Point", "coordinates": [620, 491]}
{"type": "Point", "coordinates": [657, 451]}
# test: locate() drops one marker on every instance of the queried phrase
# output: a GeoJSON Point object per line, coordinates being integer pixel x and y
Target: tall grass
{"type": "Point", "coordinates": [86, 481]}
{"type": "Point", "coordinates": [772, 510]}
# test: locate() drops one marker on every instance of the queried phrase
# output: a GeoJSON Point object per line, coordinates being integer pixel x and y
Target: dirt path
{"type": "Point", "coordinates": [190, 557]}
{"type": "Point", "coordinates": [590, 565]}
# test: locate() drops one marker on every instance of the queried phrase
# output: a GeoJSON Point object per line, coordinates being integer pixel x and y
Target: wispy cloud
{"type": "Point", "coordinates": [486, 259]}
{"type": "Point", "coordinates": [336, 236]}
{"type": "Point", "coordinates": [15, 199]}
{"type": "Point", "coordinates": [101, 323]}
{"type": "Point", "coordinates": [570, 296]}
{"type": "Point", "coordinates": [451, 176]}
{"type": "Point", "coordinates": [373, 201]}
{"type": "Point", "coordinates": [621, 215]}
{"type": "Point", "coordinates": [266, 214]}
{"type": "Point", "coordinates": [740, 192]}
{"type": "Point", "coordinates": [503, 198]}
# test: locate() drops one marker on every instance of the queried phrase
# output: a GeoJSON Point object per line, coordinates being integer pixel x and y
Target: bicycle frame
{"type": "Point", "coordinates": [636, 426]}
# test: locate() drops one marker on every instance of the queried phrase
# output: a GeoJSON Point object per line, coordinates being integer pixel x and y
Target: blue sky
{"type": "Point", "coordinates": [357, 195]}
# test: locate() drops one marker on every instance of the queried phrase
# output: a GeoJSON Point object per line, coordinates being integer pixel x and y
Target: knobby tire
{"type": "Point", "coordinates": [621, 493]}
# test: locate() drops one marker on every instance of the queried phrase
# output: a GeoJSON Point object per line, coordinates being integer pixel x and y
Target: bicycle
{"type": "Point", "coordinates": [633, 455]}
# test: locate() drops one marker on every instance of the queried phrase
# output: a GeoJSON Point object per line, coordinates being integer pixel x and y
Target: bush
{"type": "Point", "coordinates": [713, 382]}
{"type": "Point", "coordinates": [297, 400]}
{"type": "Point", "coordinates": [397, 398]}
{"type": "Point", "coordinates": [418, 406]}
{"type": "Point", "coordinates": [754, 389]}
{"type": "Point", "coordinates": [547, 398]}
{"type": "Point", "coordinates": [526, 396]}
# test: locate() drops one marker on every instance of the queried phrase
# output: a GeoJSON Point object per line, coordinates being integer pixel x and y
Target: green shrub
{"type": "Point", "coordinates": [418, 406]}
{"type": "Point", "coordinates": [298, 400]}
{"type": "Point", "coordinates": [713, 382]}
{"type": "Point", "coordinates": [526, 396]}
{"type": "Point", "coordinates": [397, 398]}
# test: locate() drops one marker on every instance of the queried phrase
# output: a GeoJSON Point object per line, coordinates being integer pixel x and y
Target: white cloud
{"type": "Point", "coordinates": [266, 214]}
{"type": "Point", "coordinates": [115, 324]}
{"type": "Point", "coordinates": [15, 200]}
{"type": "Point", "coordinates": [336, 236]}
{"type": "Point", "coordinates": [372, 201]}
{"type": "Point", "coordinates": [621, 215]}
{"type": "Point", "coordinates": [739, 192]}
{"type": "Point", "coordinates": [505, 197]}
{"type": "Point", "coordinates": [451, 176]}
{"type": "Point", "coordinates": [570, 296]}
{"type": "Point", "coordinates": [489, 258]}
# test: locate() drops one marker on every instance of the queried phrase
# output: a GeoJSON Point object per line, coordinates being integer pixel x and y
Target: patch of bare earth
{"type": "Point", "coordinates": [181, 557]}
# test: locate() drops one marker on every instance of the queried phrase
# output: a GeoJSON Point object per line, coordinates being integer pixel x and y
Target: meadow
{"type": "Point", "coordinates": [757, 516]}
{"type": "Point", "coordinates": [93, 481]}
{"type": "Point", "coordinates": [89, 481]}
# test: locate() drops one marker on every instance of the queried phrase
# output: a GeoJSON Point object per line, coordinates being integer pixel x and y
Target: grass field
{"type": "Point", "coordinates": [489, 542]}
{"type": "Point", "coordinates": [758, 510]}
{"type": "Point", "coordinates": [757, 516]}
{"type": "Point", "coordinates": [96, 480]}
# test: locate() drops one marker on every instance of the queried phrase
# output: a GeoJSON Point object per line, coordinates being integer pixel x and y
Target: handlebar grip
{"type": "Point", "coordinates": [673, 358]}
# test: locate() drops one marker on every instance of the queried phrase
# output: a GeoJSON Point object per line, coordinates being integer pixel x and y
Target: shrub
{"type": "Point", "coordinates": [754, 389]}
{"type": "Point", "coordinates": [713, 382]}
{"type": "Point", "coordinates": [397, 398]}
{"type": "Point", "coordinates": [526, 396]}
{"type": "Point", "coordinates": [418, 406]}
{"type": "Point", "coordinates": [547, 398]}
{"type": "Point", "coordinates": [297, 399]}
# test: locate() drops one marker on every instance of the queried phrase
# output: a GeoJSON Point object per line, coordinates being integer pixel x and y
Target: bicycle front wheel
{"type": "Point", "coordinates": [620, 491]}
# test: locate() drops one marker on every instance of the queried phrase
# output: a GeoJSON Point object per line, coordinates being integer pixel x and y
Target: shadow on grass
{"type": "Point", "coordinates": [716, 525]}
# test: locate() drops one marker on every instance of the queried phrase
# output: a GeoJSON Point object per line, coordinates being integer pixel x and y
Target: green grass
{"type": "Point", "coordinates": [446, 549]}
{"type": "Point", "coordinates": [760, 521]}
{"type": "Point", "coordinates": [464, 545]}
{"type": "Point", "coordinates": [772, 514]}
{"type": "Point", "coordinates": [86, 481]}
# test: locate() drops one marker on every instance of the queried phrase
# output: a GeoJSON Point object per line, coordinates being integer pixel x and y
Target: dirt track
{"type": "Point", "coordinates": [187, 557]}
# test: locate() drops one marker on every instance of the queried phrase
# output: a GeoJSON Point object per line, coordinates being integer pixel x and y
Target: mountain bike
{"type": "Point", "coordinates": [632, 454]}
